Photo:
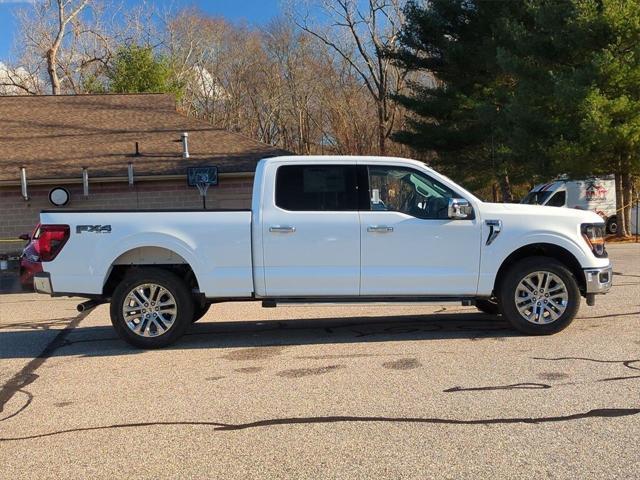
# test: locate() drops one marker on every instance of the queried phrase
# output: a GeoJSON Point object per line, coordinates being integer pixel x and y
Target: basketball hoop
{"type": "Point", "coordinates": [202, 178]}
{"type": "Point", "coordinates": [202, 188]}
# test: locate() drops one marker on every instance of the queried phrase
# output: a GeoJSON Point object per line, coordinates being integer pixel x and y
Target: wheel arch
{"type": "Point", "coordinates": [148, 256]}
{"type": "Point", "coordinates": [550, 250]}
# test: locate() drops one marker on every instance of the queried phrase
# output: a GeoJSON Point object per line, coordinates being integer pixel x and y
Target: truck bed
{"type": "Point", "coordinates": [216, 244]}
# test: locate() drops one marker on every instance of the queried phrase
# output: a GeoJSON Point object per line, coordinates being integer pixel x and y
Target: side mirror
{"type": "Point", "coordinates": [25, 237]}
{"type": "Point", "coordinates": [459, 209]}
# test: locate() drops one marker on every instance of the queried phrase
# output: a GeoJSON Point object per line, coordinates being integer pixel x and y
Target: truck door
{"type": "Point", "coordinates": [409, 244]}
{"type": "Point", "coordinates": [311, 232]}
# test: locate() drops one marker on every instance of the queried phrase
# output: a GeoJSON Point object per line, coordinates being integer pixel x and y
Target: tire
{"type": "Point", "coordinates": [199, 311]}
{"type": "Point", "coordinates": [488, 306]}
{"type": "Point", "coordinates": [612, 225]}
{"type": "Point", "coordinates": [163, 327]}
{"type": "Point", "coordinates": [562, 300]}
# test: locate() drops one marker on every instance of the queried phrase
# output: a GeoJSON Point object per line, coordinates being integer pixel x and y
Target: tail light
{"type": "Point", "coordinates": [593, 234]}
{"type": "Point", "coordinates": [50, 240]}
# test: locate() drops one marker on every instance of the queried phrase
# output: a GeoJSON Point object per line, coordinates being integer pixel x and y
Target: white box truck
{"type": "Point", "coordinates": [597, 194]}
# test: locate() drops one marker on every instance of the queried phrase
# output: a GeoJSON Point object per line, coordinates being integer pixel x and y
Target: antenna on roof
{"type": "Point", "coordinates": [137, 154]}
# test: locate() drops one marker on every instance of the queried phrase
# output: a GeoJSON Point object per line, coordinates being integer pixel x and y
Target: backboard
{"type": "Point", "coordinates": [202, 176]}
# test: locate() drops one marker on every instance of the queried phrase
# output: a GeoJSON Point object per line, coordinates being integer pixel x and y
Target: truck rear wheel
{"type": "Point", "coordinates": [612, 225]}
{"type": "Point", "coordinates": [539, 296]}
{"type": "Point", "coordinates": [151, 308]}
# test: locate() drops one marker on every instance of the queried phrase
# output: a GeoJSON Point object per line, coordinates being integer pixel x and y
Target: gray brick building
{"type": "Point", "coordinates": [55, 137]}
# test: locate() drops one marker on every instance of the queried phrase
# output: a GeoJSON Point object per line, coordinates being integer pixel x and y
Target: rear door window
{"type": "Point", "coordinates": [317, 188]}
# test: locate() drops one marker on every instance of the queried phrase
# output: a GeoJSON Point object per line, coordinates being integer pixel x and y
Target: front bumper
{"type": "Point", "coordinates": [598, 280]}
{"type": "Point", "coordinates": [42, 283]}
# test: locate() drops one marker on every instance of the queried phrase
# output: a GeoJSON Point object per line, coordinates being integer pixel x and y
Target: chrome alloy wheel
{"type": "Point", "coordinates": [541, 297]}
{"type": "Point", "coordinates": [149, 310]}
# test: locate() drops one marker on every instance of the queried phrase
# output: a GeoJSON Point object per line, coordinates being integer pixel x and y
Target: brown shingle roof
{"type": "Point", "coordinates": [55, 136]}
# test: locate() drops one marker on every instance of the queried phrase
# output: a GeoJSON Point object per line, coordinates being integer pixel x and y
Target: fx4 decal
{"type": "Point", "coordinates": [93, 228]}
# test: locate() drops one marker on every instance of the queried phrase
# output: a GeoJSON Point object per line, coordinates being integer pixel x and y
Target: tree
{"type": "Point", "coordinates": [278, 84]}
{"type": "Point", "coordinates": [18, 81]}
{"type": "Point", "coordinates": [460, 108]}
{"type": "Point", "coordinates": [511, 87]}
{"type": "Point", "coordinates": [581, 75]}
{"type": "Point", "coordinates": [611, 126]}
{"type": "Point", "coordinates": [66, 35]}
{"type": "Point", "coordinates": [361, 33]}
{"type": "Point", "coordinates": [137, 69]}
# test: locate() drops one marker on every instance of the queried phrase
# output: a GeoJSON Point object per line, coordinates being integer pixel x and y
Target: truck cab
{"type": "Point", "coordinates": [374, 228]}
{"type": "Point", "coordinates": [329, 229]}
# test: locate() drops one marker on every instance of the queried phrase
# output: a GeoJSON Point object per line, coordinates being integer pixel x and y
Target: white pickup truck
{"type": "Point", "coordinates": [328, 229]}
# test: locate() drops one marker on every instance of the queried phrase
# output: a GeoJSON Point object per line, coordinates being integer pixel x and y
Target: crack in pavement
{"type": "Point", "coordinates": [610, 315]}
{"type": "Point", "coordinates": [544, 386]}
{"type": "Point", "coordinates": [218, 426]}
{"type": "Point", "coordinates": [626, 363]}
{"type": "Point", "coordinates": [515, 386]}
{"type": "Point", "coordinates": [26, 376]}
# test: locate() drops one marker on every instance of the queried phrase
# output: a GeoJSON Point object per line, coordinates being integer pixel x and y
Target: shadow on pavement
{"type": "Point", "coordinates": [102, 341]}
{"type": "Point", "coordinates": [10, 283]}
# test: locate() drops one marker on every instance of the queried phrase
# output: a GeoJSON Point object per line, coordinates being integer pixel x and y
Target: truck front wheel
{"type": "Point", "coordinates": [151, 308]}
{"type": "Point", "coordinates": [539, 296]}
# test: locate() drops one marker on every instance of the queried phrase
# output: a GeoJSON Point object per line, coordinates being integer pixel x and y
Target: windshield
{"type": "Point", "coordinates": [536, 198]}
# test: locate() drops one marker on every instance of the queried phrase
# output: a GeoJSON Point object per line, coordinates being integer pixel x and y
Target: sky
{"type": "Point", "coordinates": [253, 11]}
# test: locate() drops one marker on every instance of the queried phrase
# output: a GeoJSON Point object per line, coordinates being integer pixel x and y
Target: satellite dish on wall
{"type": "Point", "coordinates": [59, 196]}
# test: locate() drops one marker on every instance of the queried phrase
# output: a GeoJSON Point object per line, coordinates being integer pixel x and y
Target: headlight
{"type": "Point", "coordinates": [593, 234]}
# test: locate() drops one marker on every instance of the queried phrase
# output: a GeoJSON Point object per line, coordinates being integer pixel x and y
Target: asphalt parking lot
{"type": "Point", "coordinates": [351, 392]}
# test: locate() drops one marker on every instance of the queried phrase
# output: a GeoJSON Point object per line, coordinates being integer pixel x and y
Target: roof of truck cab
{"type": "Point", "coordinates": [56, 136]}
{"type": "Point", "coordinates": [306, 159]}
{"type": "Point", "coordinates": [365, 159]}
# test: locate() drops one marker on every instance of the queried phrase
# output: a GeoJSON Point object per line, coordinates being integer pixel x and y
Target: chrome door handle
{"type": "Point", "coordinates": [282, 229]}
{"type": "Point", "coordinates": [379, 229]}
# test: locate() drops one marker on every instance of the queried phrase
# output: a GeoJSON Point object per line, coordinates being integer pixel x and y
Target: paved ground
{"type": "Point", "coordinates": [324, 393]}
{"type": "Point", "coordinates": [9, 279]}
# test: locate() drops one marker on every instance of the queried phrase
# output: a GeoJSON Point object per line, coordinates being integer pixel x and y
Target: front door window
{"type": "Point", "coordinates": [397, 189]}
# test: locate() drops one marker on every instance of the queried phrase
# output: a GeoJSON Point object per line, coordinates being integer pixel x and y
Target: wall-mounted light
{"type": "Point", "coordinates": [59, 196]}
{"type": "Point", "coordinates": [85, 181]}
{"type": "Point", "coordinates": [23, 183]}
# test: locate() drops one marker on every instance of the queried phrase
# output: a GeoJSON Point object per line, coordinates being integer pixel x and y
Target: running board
{"type": "Point", "coordinates": [342, 301]}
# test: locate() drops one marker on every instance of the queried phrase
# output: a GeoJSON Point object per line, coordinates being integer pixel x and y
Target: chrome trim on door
{"type": "Point", "coordinates": [282, 229]}
{"type": "Point", "coordinates": [379, 229]}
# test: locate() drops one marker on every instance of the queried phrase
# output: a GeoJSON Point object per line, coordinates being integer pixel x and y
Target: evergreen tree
{"type": "Point", "coordinates": [610, 129]}
{"type": "Point", "coordinates": [526, 90]}
{"type": "Point", "coordinates": [136, 69]}
{"type": "Point", "coordinates": [460, 112]}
